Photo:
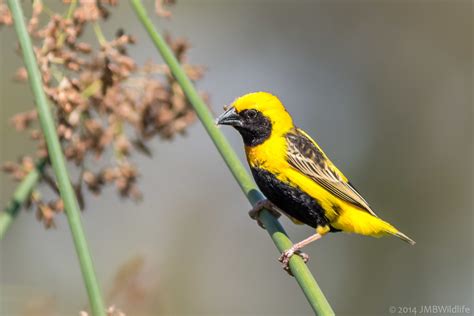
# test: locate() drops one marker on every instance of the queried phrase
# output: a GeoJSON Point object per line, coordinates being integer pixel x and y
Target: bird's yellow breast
{"type": "Point", "coordinates": [270, 155]}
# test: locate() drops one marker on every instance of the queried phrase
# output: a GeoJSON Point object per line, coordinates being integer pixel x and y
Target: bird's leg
{"type": "Point", "coordinates": [254, 213]}
{"type": "Point", "coordinates": [295, 249]}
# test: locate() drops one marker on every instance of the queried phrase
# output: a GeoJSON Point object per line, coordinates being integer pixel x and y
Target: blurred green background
{"type": "Point", "coordinates": [385, 87]}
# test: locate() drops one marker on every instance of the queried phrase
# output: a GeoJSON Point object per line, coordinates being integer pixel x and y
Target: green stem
{"type": "Point", "coordinates": [58, 161]}
{"type": "Point", "coordinates": [299, 269]}
{"type": "Point", "coordinates": [70, 12]}
{"type": "Point", "coordinates": [98, 33]}
{"type": "Point", "coordinates": [20, 195]}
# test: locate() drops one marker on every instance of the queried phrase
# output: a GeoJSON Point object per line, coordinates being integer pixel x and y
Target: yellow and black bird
{"type": "Point", "coordinates": [296, 176]}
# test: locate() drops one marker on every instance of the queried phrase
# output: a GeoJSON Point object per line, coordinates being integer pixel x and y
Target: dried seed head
{"type": "Point", "coordinates": [160, 8]}
{"type": "Point", "coordinates": [5, 15]}
{"type": "Point", "coordinates": [84, 48]}
{"type": "Point", "coordinates": [23, 120]}
{"type": "Point", "coordinates": [102, 101]}
{"type": "Point", "coordinates": [45, 214]}
{"type": "Point", "coordinates": [21, 74]}
{"type": "Point", "coordinates": [9, 167]}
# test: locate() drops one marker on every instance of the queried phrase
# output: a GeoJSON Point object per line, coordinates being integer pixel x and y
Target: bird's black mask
{"type": "Point", "coordinates": [254, 127]}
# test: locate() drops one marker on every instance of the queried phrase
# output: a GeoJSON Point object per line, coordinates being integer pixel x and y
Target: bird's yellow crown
{"type": "Point", "coordinates": [269, 105]}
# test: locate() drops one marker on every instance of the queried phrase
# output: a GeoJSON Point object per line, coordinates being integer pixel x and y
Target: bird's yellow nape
{"type": "Point", "coordinates": [269, 105]}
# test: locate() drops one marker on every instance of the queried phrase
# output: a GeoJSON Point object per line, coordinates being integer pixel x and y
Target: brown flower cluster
{"type": "Point", "coordinates": [5, 15]}
{"type": "Point", "coordinates": [104, 104]}
{"type": "Point", "coordinates": [111, 311]}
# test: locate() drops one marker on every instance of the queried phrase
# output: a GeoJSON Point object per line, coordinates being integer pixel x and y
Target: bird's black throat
{"type": "Point", "coordinates": [255, 129]}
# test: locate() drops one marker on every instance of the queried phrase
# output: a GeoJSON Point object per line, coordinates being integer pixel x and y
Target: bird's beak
{"type": "Point", "coordinates": [229, 117]}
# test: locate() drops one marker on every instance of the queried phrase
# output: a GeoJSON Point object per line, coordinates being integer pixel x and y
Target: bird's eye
{"type": "Point", "coordinates": [251, 114]}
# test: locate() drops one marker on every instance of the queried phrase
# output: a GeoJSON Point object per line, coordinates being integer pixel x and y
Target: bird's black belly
{"type": "Point", "coordinates": [292, 200]}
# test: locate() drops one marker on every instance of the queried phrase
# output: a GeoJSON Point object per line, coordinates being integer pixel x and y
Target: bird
{"type": "Point", "coordinates": [297, 177]}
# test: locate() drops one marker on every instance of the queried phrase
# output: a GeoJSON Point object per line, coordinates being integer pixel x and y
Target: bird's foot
{"type": "Point", "coordinates": [254, 213]}
{"type": "Point", "coordinates": [286, 256]}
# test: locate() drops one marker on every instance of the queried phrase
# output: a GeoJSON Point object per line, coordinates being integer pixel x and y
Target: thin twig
{"type": "Point", "coordinates": [50, 181]}
{"type": "Point", "coordinates": [99, 34]}
{"type": "Point", "coordinates": [69, 14]}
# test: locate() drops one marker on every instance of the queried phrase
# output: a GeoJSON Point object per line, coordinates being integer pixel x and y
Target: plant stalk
{"type": "Point", "coordinates": [20, 195]}
{"type": "Point", "coordinates": [58, 161]}
{"type": "Point", "coordinates": [303, 276]}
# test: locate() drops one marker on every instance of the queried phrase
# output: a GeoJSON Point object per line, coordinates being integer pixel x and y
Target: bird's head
{"type": "Point", "coordinates": [257, 116]}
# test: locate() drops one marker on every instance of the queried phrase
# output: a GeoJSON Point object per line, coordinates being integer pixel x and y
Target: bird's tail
{"type": "Point", "coordinates": [385, 228]}
{"type": "Point", "coordinates": [353, 220]}
{"type": "Point", "coordinates": [395, 232]}
{"type": "Point", "coordinates": [404, 237]}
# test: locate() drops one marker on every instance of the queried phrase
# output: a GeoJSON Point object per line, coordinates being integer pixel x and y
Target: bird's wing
{"type": "Point", "coordinates": [308, 158]}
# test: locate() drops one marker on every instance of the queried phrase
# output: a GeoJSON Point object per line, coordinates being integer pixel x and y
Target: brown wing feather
{"type": "Point", "coordinates": [306, 156]}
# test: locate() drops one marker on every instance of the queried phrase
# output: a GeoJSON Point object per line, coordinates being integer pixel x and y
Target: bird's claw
{"type": "Point", "coordinates": [286, 256]}
{"type": "Point", "coordinates": [254, 213]}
